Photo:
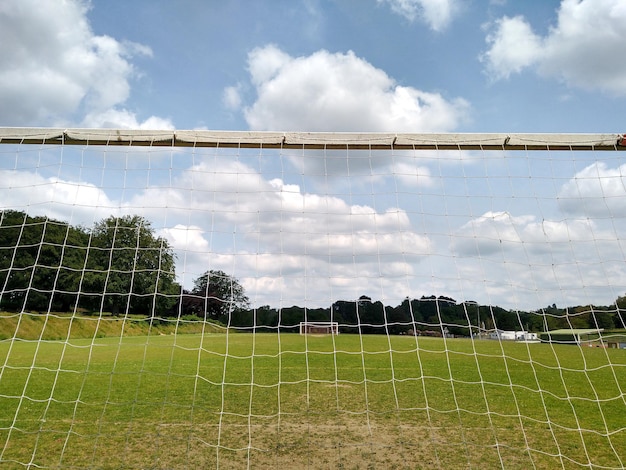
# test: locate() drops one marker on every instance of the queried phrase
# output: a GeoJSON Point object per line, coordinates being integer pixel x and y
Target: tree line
{"type": "Point", "coordinates": [120, 266]}
{"type": "Point", "coordinates": [433, 316]}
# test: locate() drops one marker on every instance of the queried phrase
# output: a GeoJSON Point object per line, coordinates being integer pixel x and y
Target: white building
{"type": "Point", "coordinates": [504, 335]}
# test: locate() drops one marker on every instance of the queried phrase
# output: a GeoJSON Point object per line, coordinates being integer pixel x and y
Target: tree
{"type": "Point", "coordinates": [48, 265]}
{"type": "Point", "coordinates": [130, 269]}
{"type": "Point", "coordinates": [620, 317]}
{"type": "Point", "coordinates": [215, 294]}
{"type": "Point", "coordinates": [41, 262]}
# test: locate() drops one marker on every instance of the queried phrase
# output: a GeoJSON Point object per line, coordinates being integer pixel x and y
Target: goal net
{"type": "Point", "coordinates": [153, 285]}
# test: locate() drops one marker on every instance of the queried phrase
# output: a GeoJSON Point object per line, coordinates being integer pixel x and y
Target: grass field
{"type": "Point", "coordinates": [288, 401]}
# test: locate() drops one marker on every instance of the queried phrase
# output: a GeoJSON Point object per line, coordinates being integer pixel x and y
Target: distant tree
{"type": "Point", "coordinates": [371, 317]}
{"type": "Point", "coordinates": [362, 315]}
{"type": "Point", "coordinates": [290, 317]}
{"type": "Point", "coordinates": [620, 318]}
{"type": "Point", "coordinates": [266, 316]}
{"type": "Point", "coordinates": [601, 318]}
{"type": "Point", "coordinates": [532, 321]}
{"type": "Point", "coordinates": [215, 294]}
{"type": "Point", "coordinates": [192, 304]}
{"type": "Point", "coordinates": [344, 312]}
{"type": "Point", "coordinates": [505, 320]}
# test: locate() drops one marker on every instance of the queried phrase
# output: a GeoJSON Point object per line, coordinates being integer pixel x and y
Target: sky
{"type": "Point", "coordinates": [517, 230]}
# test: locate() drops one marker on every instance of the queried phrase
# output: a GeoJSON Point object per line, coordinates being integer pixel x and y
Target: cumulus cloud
{"type": "Point", "coordinates": [234, 194]}
{"type": "Point", "coordinates": [596, 191]}
{"type": "Point", "coordinates": [56, 70]}
{"type": "Point", "coordinates": [498, 232]}
{"type": "Point", "coordinates": [579, 50]}
{"type": "Point", "coordinates": [340, 92]}
{"type": "Point", "coordinates": [232, 97]}
{"type": "Point", "coordinates": [57, 198]}
{"type": "Point", "coordinates": [437, 13]}
{"type": "Point", "coordinates": [309, 242]}
{"type": "Point", "coordinates": [514, 47]}
{"type": "Point", "coordinates": [187, 238]}
{"type": "Point", "coordinates": [413, 174]}
{"type": "Point", "coordinates": [565, 261]}
{"type": "Point", "coordinates": [124, 119]}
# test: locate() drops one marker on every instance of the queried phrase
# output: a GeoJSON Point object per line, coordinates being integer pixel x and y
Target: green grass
{"type": "Point", "coordinates": [288, 401]}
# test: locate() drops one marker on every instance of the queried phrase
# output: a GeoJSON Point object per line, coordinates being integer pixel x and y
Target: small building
{"type": "Point", "coordinates": [612, 344]}
{"type": "Point", "coordinates": [522, 336]}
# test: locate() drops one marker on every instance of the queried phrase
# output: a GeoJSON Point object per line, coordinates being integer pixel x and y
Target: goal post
{"type": "Point", "coordinates": [319, 328]}
{"type": "Point", "coordinates": [173, 299]}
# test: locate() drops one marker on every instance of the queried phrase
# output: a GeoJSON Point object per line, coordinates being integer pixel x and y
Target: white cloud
{"type": "Point", "coordinates": [275, 214]}
{"type": "Point", "coordinates": [490, 233]}
{"type": "Point", "coordinates": [596, 191]}
{"type": "Point", "coordinates": [500, 232]}
{"type": "Point", "coordinates": [265, 63]}
{"type": "Point", "coordinates": [413, 175]}
{"type": "Point", "coordinates": [437, 13]}
{"type": "Point", "coordinates": [340, 92]}
{"type": "Point", "coordinates": [124, 119]}
{"type": "Point", "coordinates": [187, 238]}
{"type": "Point", "coordinates": [78, 202]}
{"type": "Point", "coordinates": [54, 69]}
{"type": "Point", "coordinates": [525, 261]}
{"type": "Point", "coordinates": [580, 49]}
{"type": "Point", "coordinates": [514, 46]}
{"type": "Point", "coordinates": [232, 97]}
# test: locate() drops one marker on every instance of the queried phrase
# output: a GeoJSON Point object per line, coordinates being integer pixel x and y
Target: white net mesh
{"type": "Point", "coordinates": [153, 288]}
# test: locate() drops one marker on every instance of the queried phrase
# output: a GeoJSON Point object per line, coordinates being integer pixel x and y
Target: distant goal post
{"type": "Point", "coordinates": [319, 328]}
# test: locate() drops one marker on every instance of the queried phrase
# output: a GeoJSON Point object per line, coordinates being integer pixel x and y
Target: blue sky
{"type": "Point", "coordinates": [367, 65]}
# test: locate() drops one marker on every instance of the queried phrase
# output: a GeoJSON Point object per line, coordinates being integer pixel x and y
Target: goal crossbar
{"type": "Point", "coordinates": [312, 140]}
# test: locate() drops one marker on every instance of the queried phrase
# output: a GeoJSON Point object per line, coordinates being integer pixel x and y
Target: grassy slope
{"type": "Point", "coordinates": [180, 401]}
{"type": "Point", "coordinates": [58, 326]}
